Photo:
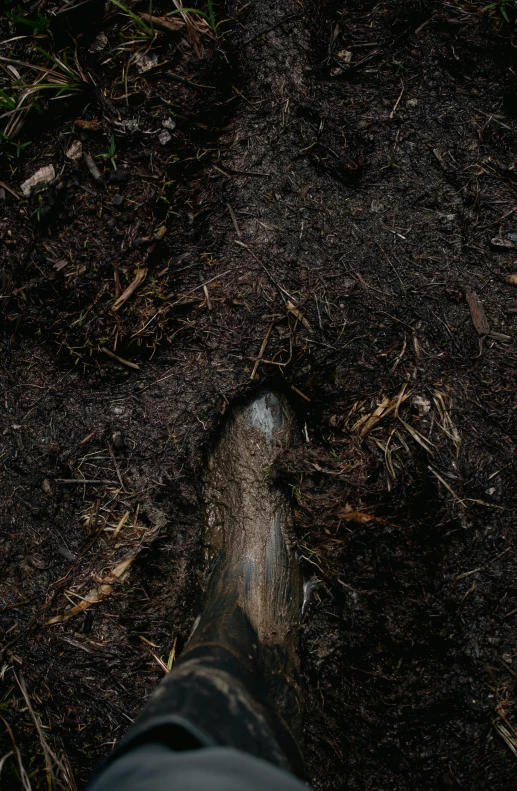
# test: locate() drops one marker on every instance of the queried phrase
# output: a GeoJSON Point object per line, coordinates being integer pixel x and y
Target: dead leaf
{"type": "Point", "coordinates": [358, 517]}
{"type": "Point", "coordinates": [92, 126]}
{"type": "Point", "coordinates": [299, 315]}
{"type": "Point", "coordinates": [163, 22]}
{"type": "Point", "coordinates": [477, 313]}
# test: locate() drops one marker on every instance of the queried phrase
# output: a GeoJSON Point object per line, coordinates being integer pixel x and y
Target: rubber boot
{"type": "Point", "coordinates": [237, 681]}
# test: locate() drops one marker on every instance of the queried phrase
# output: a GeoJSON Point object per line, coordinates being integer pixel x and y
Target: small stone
{"type": "Point", "coordinates": [412, 102]}
{"type": "Point", "coordinates": [344, 55]}
{"type": "Point", "coordinates": [99, 43]}
{"type": "Point", "coordinates": [118, 440]}
{"type": "Point", "coordinates": [343, 58]}
{"type": "Point", "coordinates": [65, 553]}
{"type": "Point", "coordinates": [502, 244]}
{"type": "Point", "coordinates": [130, 125]}
{"type": "Point", "coordinates": [75, 150]}
{"type": "Point", "coordinates": [422, 404]}
{"type": "Point", "coordinates": [447, 221]}
{"type": "Point", "coordinates": [349, 284]}
{"type": "Point", "coordinates": [511, 280]}
{"type": "Point", "coordinates": [164, 137]}
{"type": "Point", "coordinates": [117, 200]}
{"type": "Point", "coordinates": [144, 62]}
{"type": "Point", "coordinates": [169, 123]}
{"type": "Point", "coordinates": [47, 488]}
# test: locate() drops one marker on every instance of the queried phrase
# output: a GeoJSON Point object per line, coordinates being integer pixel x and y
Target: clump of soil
{"type": "Point", "coordinates": [338, 182]}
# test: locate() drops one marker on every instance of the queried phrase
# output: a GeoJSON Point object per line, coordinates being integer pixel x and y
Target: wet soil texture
{"type": "Point", "coordinates": [321, 198]}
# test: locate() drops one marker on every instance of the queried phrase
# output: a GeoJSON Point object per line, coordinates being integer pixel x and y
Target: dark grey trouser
{"type": "Point", "coordinates": [155, 767]}
{"type": "Point", "coordinates": [203, 729]}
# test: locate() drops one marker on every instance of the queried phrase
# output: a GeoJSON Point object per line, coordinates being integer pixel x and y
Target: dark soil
{"type": "Point", "coordinates": [340, 177]}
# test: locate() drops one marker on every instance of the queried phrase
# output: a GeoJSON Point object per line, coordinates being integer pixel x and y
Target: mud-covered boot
{"type": "Point", "coordinates": [236, 683]}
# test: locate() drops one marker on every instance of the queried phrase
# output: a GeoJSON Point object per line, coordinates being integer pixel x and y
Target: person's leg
{"type": "Point", "coordinates": [154, 767]}
{"type": "Point", "coordinates": [236, 684]}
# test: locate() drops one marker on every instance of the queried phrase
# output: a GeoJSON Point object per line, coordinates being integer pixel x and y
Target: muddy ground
{"type": "Point", "coordinates": [331, 212]}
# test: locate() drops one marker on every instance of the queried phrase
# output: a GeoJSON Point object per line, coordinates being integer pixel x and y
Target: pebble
{"type": "Point", "coordinates": [130, 125]}
{"type": "Point", "coordinates": [117, 200]}
{"type": "Point", "coordinates": [118, 440]}
{"type": "Point", "coordinates": [349, 284]}
{"type": "Point", "coordinates": [65, 553]}
{"type": "Point", "coordinates": [99, 43]}
{"type": "Point", "coordinates": [164, 137]}
{"type": "Point", "coordinates": [92, 167]}
{"type": "Point", "coordinates": [421, 403]}
{"type": "Point", "coordinates": [376, 206]}
{"type": "Point", "coordinates": [169, 123]}
{"type": "Point", "coordinates": [144, 62]}
{"type": "Point", "coordinates": [47, 488]}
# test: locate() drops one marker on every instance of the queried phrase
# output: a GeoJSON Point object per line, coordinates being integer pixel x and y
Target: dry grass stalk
{"type": "Point", "coordinates": [59, 775]}
{"type": "Point", "coordinates": [24, 777]}
{"type": "Point", "coordinates": [97, 594]}
{"type": "Point", "coordinates": [137, 281]}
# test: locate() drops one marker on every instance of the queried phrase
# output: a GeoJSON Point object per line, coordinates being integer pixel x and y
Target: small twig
{"type": "Point", "coordinates": [207, 298]}
{"type": "Point", "coordinates": [261, 352]}
{"type": "Point", "coordinates": [397, 102]}
{"type": "Point", "coordinates": [86, 481]}
{"type": "Point", "coordinates": [299, 392]}
{"type": "Point", "coordinates": [392, 265]}
{"type": "Point", "coordinates": [24, 777]}
{"type": "Point", "coordinates": [284, 19]}
{"type": "Point", "coordinates": [234, 220]}
{"type": "Point", "coordinates": [51, 758]}
{"type": "Point", "coordinates": [137, 281]}
{"type": "Point", "coordinates": [4, 185]}
{"type": "Point", "coordinates": [192, 291]}
{"type": "Point", "coordinates": [231, 172]}
{"type": "Point", "coordinates": [120, 359]}
{"type": "Point", "coordinates": [113, 459]}
{"type": "Point", "coordinates": [451, 491]}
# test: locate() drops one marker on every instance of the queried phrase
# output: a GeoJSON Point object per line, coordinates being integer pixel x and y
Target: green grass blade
{"type": "Point", "coordinates": [136, 19]}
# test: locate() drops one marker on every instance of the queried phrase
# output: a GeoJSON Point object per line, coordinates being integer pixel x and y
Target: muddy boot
{"type": "Point", "coordinates": [254, 597]}
{"type": "Point", "coordinates": [237, 681]}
